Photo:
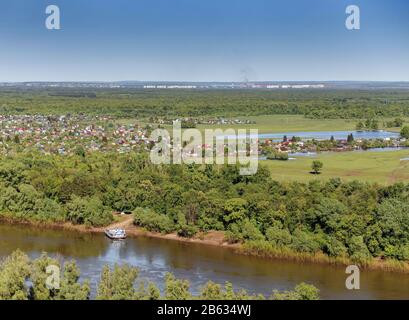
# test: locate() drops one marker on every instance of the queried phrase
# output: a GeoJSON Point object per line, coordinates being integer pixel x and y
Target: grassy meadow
{"type": "Point", "coordinates": [279, 123]}
{"type": "Point", "coordinates": [287, 123]}
{"type": "Point", "coordinates": [381, 167]}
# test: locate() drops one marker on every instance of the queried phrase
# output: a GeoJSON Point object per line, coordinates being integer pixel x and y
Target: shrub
{"type": "Point", "coordinates": [244, 230]}
{"type": "Point", "coordinates": [89, 211]}
{"type": "Point", "coordinates": [187, 230]}
{"type": "Point", "coordinates": [250, 231]}
{"type": "Point", "coordinates": [305, 242]}
{"type": "Point", "coordinates": [334, 248]}
{"type": "Point", "coordinates": [405, 132]}
{"type": "Point", "coordinates": [153, 221]}
{"type": "Point", "coordinates": [302, 291]}
{"type": "Point", "coordinates": [278, 237]}
{"type": "Point", "coordinates": [317, 166]}
{"type": "Point", "coordinates": [358, 250]}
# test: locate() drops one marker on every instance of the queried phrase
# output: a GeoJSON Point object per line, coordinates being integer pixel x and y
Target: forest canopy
{"type": "Point", "coordinates": [138, 103]}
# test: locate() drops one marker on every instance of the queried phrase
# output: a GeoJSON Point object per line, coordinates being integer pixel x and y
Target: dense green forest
{"type": "Point", "coordinates": [341, 219]}
{"type": "Point", "coordinates": [138, 103]}
{"type": "Point", "coordinates": [24, 279]}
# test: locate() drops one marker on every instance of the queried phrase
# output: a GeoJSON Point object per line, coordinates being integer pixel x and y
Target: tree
{"type": "Point", "coordinates": [317, 166]}
{"type": "Point", "coordinates": [70, 288]}
{"type": "Point", "coordinates": [89, 211]}
{"type": "Point", "coordinates": [399, 122]}
{"type": "Point", "coordinates": [368, 123]}
{"type": "Point", "coordinates": [153, 221]}
{"type": "Point", "coordinates": [360, 126]}
{"type": "Point", "coordinates": [405, 132]}
{"type": "Point", "coordinates": [38, 276]}
{"type": "Point", "coordinates": [302, 291]}
{"type": "Point", "coordinates": [393, 218]}
{"type": "Point", "coordinates": [304, 241]}
{"type": "Point", "coordinates": [357, 249]}
{"type": "Point", "coordinates": [13, 273]}
{"type": "Point", "coordinates": [211, 291]}
{"type": "Point", "coordinates": [278, 237]}
{"type": "Point", "coordinates": [150, 293]}
{"type": "Point", "coordinates": [235, 210]}
{"type": "Point", "coordinates": [273, 154]}
{"type": "Point", "coordinates": [374, 124]}
{"type": "Point", "coordinates": [176, 289]}
{"type": "Point", "coordinates": [117, 284]}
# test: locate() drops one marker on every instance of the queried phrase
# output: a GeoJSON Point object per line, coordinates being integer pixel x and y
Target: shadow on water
{"type": "Point", "coordinates": [197, 263]}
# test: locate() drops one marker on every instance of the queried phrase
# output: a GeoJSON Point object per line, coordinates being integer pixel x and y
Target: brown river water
{"type": "Point", "coordinates": [197, 263]}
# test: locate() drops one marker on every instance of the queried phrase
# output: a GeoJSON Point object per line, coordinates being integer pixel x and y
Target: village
{"type": "Point", "coordinates": [189, 122]}
{"type": "Point", "coordinates": [77, 134]}
{"type": "Point", "coordinates": [68, 134]}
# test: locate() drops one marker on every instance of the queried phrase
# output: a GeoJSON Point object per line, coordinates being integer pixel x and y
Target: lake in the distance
{"type": "Point", "coordinates": [326, 135]}
{"type": "Point", "coordinates": [196, 263]}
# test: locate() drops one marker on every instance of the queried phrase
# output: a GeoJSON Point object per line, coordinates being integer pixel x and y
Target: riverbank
{"type": "Point", "coordinates": [216, 238]}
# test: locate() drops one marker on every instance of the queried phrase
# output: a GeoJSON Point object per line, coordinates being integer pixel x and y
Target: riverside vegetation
{"type": "Point", "coordinates": [25, 279]}
{"type": "Point", "coordinates": [345, 220]}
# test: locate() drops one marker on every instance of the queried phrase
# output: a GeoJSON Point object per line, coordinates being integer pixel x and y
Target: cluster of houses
{"type": "Point", "coordinates": [65, 134]}
{"type": "Point", "coordinates": [206, 121]}
{"type": "Point", "coordinates": [297, 145]}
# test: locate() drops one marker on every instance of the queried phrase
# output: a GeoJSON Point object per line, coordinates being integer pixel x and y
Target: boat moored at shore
{"type": "Point", "coordinates": [116, 234]}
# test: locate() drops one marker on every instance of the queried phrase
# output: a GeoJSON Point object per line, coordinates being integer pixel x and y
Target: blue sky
{"type": "Point", "coordinates": [212, 40]}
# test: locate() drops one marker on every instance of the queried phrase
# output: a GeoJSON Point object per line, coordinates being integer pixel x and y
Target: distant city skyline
{"type": "Point", "coordinates": [215, 40]}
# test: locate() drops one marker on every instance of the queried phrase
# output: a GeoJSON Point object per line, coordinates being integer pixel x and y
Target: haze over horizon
{"type": "Point", "coordinates": [212, 41]}
{"type": "Point", "coordinates": [209, 81]}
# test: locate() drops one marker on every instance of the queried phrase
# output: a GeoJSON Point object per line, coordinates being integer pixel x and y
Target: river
{"type": "Point", "coordinates": [196, 263]}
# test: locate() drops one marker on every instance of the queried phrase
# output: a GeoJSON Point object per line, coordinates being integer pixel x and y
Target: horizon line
{"type": "Point", "coordinates": [201, 81]}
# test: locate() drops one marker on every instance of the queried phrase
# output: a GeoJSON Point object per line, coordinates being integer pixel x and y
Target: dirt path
{"type": "Point", "coordinates": [126, 222]}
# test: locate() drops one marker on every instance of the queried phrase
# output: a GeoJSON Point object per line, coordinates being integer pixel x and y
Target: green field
{"type": "Point", "coordinates": [280, 123]}
{"type": "Point", "coordinates": [381, 167]}
{"type": "Point", "coordinates": [272, 124]}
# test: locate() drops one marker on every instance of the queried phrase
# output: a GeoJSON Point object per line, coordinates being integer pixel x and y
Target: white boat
{"type": "Point", "coordinates": [116, 234]}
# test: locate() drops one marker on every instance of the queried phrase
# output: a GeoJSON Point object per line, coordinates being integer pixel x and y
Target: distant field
{"type": "Point", "coordinates": [274, 123]}
{"type": "Point", "coordinates": [381, 167]}
{"type": "Point", "coordinates": [282, 123]}
{"type": "Point", "coordinates": [288, 123]}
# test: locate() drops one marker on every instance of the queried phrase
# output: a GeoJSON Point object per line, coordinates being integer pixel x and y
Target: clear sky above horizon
{"type": "Point", "coordinates": [212, 40]}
